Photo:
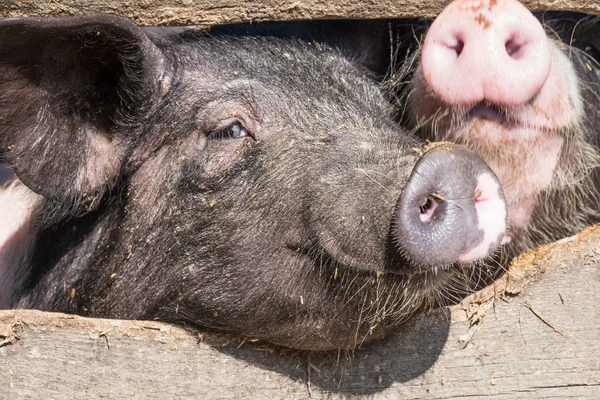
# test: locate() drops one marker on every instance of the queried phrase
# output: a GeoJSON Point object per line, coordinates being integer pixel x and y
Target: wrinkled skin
{"type": "Point", "coordinates": [247, 185]}
{"type": "Point", "coordinates": [545, 149]}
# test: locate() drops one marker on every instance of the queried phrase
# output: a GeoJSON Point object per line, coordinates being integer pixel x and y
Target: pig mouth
{"type": "Point", "coordinates": [509, 118]}
{"type": "Point", "coordinates": [495, 123]}
{"type": "Point", "coordinates": [489, 112]}
{"type": "Point", "coordinates": [492, 123]}
{"type": "Point", "coordinates": [395, 268]}
{"type": "Point", "coordinates": [446, 285]}
{"type": "Point", "coordinates": [423, 287]}
{"type": "Point", "coordinates": [439, 284]}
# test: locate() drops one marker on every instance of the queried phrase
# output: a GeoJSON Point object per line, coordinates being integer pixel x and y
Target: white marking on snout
{"type": "Point", "coordinates": [17, 204]}
{"type": "Point", "coordinates": [491, 215]}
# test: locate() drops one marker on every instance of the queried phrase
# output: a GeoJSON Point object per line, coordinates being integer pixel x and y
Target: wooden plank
{"type": "Point", "coordinates": [534, 334]}
{"type": "Point", "coordinates": [215, 12]}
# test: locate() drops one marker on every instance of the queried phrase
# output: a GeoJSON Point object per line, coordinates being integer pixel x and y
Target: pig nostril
{"type": "Point", "coordinates": [458, 48]}
{"type": "Point", "coordinates": [426, 205]}
{"type": "Point", "coordinates": [512, 48]}
{"type": "Point", "coordinates": [426, 209]}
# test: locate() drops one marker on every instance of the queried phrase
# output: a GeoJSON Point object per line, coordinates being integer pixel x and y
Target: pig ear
{"type": "Point", "coordinates": [73, 93]}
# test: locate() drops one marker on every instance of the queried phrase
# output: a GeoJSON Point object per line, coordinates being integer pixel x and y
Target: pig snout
{"type": "Point", "coordinates": [493, 50]}
{"type": "Point", "coordinates": [452, 208]}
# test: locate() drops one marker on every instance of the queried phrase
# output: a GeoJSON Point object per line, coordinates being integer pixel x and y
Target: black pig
{"type": "Point", "coordinates": [256, 186]}
{"type": "Point", "coordinates": [490, 77]}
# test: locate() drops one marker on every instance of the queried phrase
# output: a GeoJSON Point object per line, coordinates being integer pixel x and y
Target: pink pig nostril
{"type": "Point", "coordinates": [512, 48]}
{"type": "Point", "coordinates": [458, 48]}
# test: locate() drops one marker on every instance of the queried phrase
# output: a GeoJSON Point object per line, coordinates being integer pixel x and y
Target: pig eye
{"type": "Point", "coordinates": [592, 52]}
{"type": "Point", "coordinates": [233, 131]}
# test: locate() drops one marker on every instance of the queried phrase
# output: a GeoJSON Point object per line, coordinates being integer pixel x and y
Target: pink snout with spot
{"type": "Point", "coordinates": [486, 50]}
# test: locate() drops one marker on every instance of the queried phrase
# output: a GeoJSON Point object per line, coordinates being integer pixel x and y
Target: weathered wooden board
{"type": "Point", "coordinates": [534, 334]}
{"type": "Point", "coordinates": [215, 12]}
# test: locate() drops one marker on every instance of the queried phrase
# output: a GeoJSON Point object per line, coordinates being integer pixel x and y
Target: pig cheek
{"type": "Point", "coordinates": [275, 277]}
{"type": "Point", "coordinates": [283, 277]}
{"type": "Point", "coordinates": [353, 231]}
{"type": "Point", "coordinates": [150, 189]}
{"type": "Point", "coordinates": [558, 104]}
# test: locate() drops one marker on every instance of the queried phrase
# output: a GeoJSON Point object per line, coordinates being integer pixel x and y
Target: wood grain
{"type": "Point", "coordinates": [216, 12]}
